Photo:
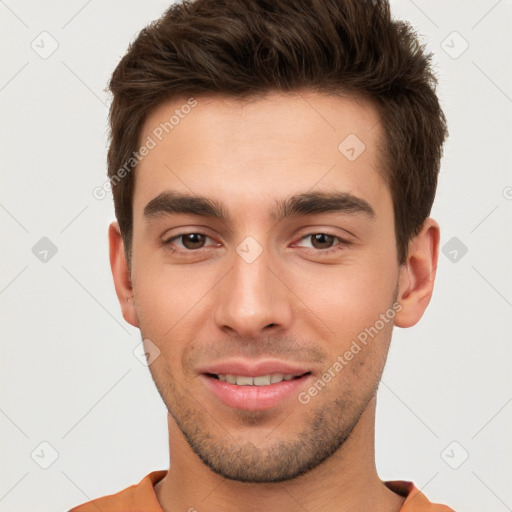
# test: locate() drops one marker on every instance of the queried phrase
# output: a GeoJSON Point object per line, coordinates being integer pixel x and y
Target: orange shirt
{"type": "Point", "coordinates": [142, 498]}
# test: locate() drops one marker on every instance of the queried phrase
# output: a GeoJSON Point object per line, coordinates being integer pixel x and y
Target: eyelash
{"type": "Point", "coordinates": [187, 252]}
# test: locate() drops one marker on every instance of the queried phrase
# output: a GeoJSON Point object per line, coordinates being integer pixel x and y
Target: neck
{"type": "Point", "coordinates": [345, 482]}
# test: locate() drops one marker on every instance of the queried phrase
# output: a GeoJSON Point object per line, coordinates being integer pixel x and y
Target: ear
{"type": "Point", "coordinates": [121, 274]}
{"type": "Point", "coordinates": [417, 275]}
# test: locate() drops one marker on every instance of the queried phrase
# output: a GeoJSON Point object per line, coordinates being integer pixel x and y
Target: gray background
{"type": "Point", "coordinates": [69, 378]}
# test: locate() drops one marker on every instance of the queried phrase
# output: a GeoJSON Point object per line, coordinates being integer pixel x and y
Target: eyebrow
{"type": "Point", "coordinates": [309, 203]}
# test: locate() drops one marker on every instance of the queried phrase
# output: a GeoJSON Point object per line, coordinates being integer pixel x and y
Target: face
{"type": "Point", "coordinates": [262, 251]}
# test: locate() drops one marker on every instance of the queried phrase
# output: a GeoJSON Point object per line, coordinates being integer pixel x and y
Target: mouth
{"type": "Point", "coordinates": [256, 392]}
{"type": "Point", "coordinates": [260, 380]}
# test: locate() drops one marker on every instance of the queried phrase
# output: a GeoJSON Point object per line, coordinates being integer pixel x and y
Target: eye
{"type": "Point", "coordinates": [320, 243]}
{"type": "Point", "coordinates": [324, 242]}
{"type": "Point", "coordinates": [189, 242]}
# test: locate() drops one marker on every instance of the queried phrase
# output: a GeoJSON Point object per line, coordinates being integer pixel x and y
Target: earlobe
{"type": "Point", "coordinates": [121, 274]}
{"type": "Point", "coordinates": [417, 275]}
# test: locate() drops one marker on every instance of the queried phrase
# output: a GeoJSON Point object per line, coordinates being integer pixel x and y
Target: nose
{"type": "Point", "coordinates": [252, 299]}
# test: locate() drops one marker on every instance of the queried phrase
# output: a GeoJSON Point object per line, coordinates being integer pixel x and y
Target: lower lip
{"type": "Point", "coordinates": [254, 398]}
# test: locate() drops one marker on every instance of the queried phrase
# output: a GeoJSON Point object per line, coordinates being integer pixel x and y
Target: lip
{"type": "Point", "coordinates": [255, 397]}
{"type": "Point", "coordinates": [252, 369]}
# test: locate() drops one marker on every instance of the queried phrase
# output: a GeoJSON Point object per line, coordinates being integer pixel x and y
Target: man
{"type": "Point", "coordinates": [273, 166]}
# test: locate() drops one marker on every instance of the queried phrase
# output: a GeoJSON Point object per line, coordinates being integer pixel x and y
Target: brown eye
{"type": "Point", "coordinates": [322, 240]}
{"type": "Point", "coordinates": [193, 240]}
{"type": "Point", "coordinates": [186, 242]}
{"type": "Point", "coordinates": [323, 244]}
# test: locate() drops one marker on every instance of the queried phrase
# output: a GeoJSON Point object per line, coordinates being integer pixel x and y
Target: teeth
{"type": "Point", "coordinates": [244, 381]}
{"type": "Point", "coordinates": [262, 380]}
{"type": "Point", "coordinates": [230, 378]}
{"type": "Point", "coordinates": [276, 377]}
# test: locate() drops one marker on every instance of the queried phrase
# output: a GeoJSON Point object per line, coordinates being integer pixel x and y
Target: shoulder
{"type": "Point", "coordinates": [133, 498]}
{"type": "Point", "coordinates": [415, 500]}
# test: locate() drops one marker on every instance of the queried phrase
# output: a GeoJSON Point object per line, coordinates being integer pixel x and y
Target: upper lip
{"type": "Point", "coordinates": [253, 369]}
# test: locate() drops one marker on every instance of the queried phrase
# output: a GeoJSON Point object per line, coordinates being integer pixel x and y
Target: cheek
{"type": "Point", "coordinates": [349, 297]}
{"type": "Point", "coordinates": [354, 367]}
{"type": "Point", "coordinates": [170, 301]}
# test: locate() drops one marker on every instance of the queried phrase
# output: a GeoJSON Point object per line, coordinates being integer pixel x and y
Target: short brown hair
{"type": "Point", "coordinates": [251, 47]}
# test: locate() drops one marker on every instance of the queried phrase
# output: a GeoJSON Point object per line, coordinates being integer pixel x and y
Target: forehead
{"type": "Point", "coordinates": [240, 150]}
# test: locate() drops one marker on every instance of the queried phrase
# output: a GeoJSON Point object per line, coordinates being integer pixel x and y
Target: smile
{"type": "Point", "coordinates": [261, 380]}
{"type": "Point", "coordinates": [255, 393]}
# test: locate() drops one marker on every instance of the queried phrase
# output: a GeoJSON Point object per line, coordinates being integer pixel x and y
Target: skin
{"type": "Point", "coordinates": [293, 303]}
